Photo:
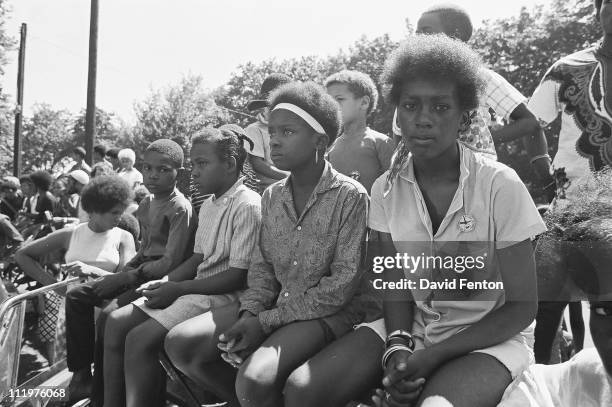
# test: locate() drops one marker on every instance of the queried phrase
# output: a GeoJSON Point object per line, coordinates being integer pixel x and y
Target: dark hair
{"type": "Point", "coordinates": [103, 193]}
{"type": "Point", "coordinates": [25, 178]}
{"type": "Point", "coordinates": [101, 168]}
{"type": "Point", "coordinates": [455, 20]}
{"type": "Point", "coordinates": [80, 151]}
{"type": "Point", "coordinates": [113, 153]}
{"type": "Point", "coordinates": [358, 83]}
{"type": "Point", "coordinates": [41, 180]}
{"type": "Point", "coordinates": [228, 142]}
{"type": "Point", "coordinates": [140, 193]}
{"type": "Point", "coordinates": [436, 58]}
{"type": "Point", "coordinates": [314, 100]}
{"type": "Point", "coordinates": [130, 224]}
{"type": "Point", "coordinates": [100, 149]}
{"type": "Point", "coordinates": [170, 149]}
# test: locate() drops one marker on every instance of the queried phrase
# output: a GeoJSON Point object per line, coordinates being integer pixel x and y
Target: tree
{"type": "Point", "coordinates": [177, 112]}
{"type": "Point", "coordinates": [46, 134]}
{"type": "Point", "coordinates": [522, 48]}
{"type": "Point", "coordinates": [365, 55]}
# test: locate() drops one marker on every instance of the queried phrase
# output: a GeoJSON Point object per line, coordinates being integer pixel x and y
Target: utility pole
{"type": "Point", "coordinates": [19, 108]}
{"type": "Point", "coordinates": [90, 115]}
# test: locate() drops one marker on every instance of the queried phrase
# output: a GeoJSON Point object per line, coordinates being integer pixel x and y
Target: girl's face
{"type": "Point", "coordinates": [292, 141]}
{"type": "Point", "coordinates": [107, 220]}
{"type": "Point", "coordinates": [429, 116]}
{"type": "Point", "coordinates": [208, 171]}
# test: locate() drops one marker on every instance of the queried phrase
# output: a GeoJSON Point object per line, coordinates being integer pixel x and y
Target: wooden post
{"type": "Point", "coordinates": [19, 108]}
{"type": "Point", "coordinates": [90, 115]}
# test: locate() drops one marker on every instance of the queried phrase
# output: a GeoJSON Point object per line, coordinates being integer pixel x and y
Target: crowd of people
{"type": "Point", "coordinates": [257, 283]}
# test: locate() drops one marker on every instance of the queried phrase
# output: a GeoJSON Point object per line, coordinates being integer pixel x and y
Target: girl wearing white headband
{"type": "Point", "coordinates": [303, 274]}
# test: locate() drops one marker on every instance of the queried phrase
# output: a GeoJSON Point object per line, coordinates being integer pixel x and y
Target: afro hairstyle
{"type": "Point", "coordinates": [105, 192]}
{"type": "Point", "coordinates": [228, 141]}
{"type": "Point", "coordinates": [42, 180]}
{"type": "Point", "coordinates": [455, 20]}
{"type": "Point", "coordinates": [434, 58]}
{"type": "Point", "coordinates": [313, 99]}
{"type": "Point", "coordinates": [170, 149]}
{"type": "Point", "coordinates": [358, 83]}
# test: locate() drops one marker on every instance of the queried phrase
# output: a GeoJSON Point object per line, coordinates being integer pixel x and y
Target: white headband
{"type": "Point", "coordinates": [312, 122]}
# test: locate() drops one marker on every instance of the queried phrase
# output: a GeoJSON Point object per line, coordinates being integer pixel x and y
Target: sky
{"type": "Point", "coordinates": [151, 44]}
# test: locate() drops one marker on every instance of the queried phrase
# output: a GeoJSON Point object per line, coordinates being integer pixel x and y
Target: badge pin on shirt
{"type": "Point", "coordinates": [466, 223]}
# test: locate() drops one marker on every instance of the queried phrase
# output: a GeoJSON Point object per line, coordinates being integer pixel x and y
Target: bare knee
{"type": "Point", "coordinates": [185, 351]}
{"type": "Point", "coordinates": [301, 390]}
{"type": "Point", "coordinates": [255, 386]}
{"type": "Point", "coordinates": [436, 401]}
{"type": "Point", "coordinates": [114, 336]}
{"type": "Point", "coordinates": [139, 344]}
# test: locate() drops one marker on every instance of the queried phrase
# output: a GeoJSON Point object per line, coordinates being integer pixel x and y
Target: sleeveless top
{"type": "Point", "coordinates": [96, 249]}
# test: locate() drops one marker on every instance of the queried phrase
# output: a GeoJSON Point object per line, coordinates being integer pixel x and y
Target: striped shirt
{"type": "Point", "coordinates": [228, 230]}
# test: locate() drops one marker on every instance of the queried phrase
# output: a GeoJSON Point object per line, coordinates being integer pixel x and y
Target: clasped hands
{"type": "Point", "coordinates": [404, 378]}
{"type": "Point", "coordinates": [241, 340]}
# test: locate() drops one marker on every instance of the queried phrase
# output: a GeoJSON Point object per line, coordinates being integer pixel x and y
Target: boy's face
{"type": "Point", "coordinates": [158, 173]}
{"type": "Point", "coordinates": [292, 141]}
{"type": "Point", "coordinates": [351, 106]}
{"type": "Point", "coordinates": [601, 331]}
{"type": "Point", "coordinates": [113, 161]}
{"type": "Point", "coordinates": [208, 171]}
{"type": "Point", "coordinates": [429, 116]}
{"type": "Point", "coordinates": [430, 23]}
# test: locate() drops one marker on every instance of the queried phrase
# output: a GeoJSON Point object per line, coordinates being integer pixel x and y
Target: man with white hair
{"type": "Point", "coordinates": [127, 158]}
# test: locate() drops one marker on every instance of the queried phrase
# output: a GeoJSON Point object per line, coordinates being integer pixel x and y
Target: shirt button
{"type": "Point", "coordinates": [295, 263]}
{"type": "Point", "coordinates": [286, 294]}
{"type": "Point", "coordinates": [299, 228]}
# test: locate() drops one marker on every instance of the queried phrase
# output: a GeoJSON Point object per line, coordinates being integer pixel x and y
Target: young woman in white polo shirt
{"type": "Point", "coordinates": [451, 345]}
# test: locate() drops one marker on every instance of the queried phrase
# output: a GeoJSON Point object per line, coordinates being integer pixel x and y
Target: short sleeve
{"type": "Point", "coordinates": [385, 147]}
{"type": "Point", "coordinates": [515, 215]}
{"type": "Point", "coordinates": [377, 219]}
{"type": "Point", "coordinates": [245, 234]}
{"type": "Point", "coordinates": [544, 103]}
{"type": "Point", "coordinates": [256, 137]}
{"type": "Point", "coordinates": [500, 95]}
